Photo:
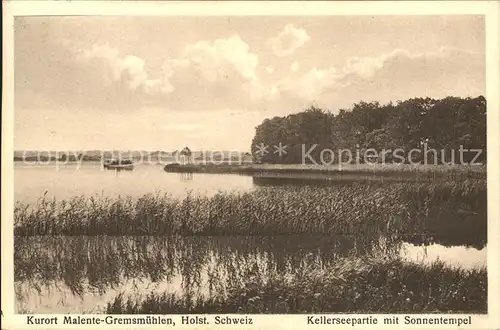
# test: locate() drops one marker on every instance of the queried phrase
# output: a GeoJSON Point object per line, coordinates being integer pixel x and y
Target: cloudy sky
{"type": "Point", "coordinates": [206, 82]}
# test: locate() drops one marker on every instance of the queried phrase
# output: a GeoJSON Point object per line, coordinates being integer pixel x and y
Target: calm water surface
{"type": "Point", "coordinates": [65, 181]}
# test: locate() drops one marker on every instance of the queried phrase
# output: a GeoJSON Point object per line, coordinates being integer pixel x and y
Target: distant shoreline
{"type": "Point", "coordinates": [472, 172]}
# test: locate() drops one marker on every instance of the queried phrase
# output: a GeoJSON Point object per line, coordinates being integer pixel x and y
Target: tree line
{"type": "Point", "coordinates": [444, 125]}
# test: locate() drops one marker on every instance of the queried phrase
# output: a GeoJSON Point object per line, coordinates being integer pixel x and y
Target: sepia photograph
{"type": "Point", "coordinates": [250, 164]}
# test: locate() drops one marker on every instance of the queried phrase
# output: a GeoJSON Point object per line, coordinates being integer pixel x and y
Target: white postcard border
{"type": "Point", "coordinates": [490, 9]}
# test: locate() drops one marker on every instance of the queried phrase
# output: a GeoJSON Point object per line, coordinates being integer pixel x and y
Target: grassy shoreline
{"type": "Point", "coordinates": [390, 170]}
{"type": "Point", "coordinates": [352, 285]}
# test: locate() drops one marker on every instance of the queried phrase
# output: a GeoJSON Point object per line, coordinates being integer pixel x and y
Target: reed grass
{"type": "Point", "coordinates": [352, 285]}
{"type": "Point", "coordinates": [444, 210]}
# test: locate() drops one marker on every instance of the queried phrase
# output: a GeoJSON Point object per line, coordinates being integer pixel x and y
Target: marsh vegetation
{"type": "Point", "coordinates": [368, 210]}
{"type": "Point", "coordinates": [277, 248]}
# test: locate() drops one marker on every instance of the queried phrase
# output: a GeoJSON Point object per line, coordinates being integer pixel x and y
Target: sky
{"type": "Point", "coordinates": [160, 83]}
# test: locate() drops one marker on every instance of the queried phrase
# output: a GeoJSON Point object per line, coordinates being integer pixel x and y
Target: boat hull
{"type": "Point", "coordinates": [119, 167]}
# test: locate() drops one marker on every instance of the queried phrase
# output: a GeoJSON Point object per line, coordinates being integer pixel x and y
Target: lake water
{"type": "Point", "coordinates": [64, 181]}
{"type": "Point", "coordinates": [83, 274]}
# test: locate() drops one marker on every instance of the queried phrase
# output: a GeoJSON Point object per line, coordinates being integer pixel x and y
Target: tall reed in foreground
{"type": "Point", "coordinates": [350, 286]}
{"type": "Point", "coordinates": [454, 210]}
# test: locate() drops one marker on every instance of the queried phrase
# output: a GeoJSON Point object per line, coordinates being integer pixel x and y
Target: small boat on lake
{"type": "Point", "coordinates": [121, 164]}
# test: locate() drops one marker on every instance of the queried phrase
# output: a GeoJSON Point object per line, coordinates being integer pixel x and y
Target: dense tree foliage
{"type": "Point", "coordinates": [419, 124]}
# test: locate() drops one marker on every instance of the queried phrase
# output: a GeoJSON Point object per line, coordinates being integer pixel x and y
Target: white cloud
{"type": "Point", "coordinates": [204, 74]}
{"type": "Point", "coordinates": [311, 84]}
{"type": "Point", "coordinates": [133, 68]}
{"type": "Point", "coordinates": [288, 40]}
{"type": "Point", "coordinates": [403, 75]}
{"type": "Point", "coordinates": [364, 67]}
{"type": "Point", "coordinates": [213, 74]}
{"type": "Point", "coordinates": [215, 60]}
{"type": "Point", "coordinates": [396, 75]}
{"type": "Point", "coordinates": [222, 73]}
{"type": "Point", "coordinates": [128, 68]}
{"type": "Point", "coordinates": [367, 67]}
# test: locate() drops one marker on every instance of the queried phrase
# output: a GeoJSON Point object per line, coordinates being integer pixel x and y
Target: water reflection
{"type": "Point", "coordinates": [81, 273]}
{"type": "Point", "coordinates": [186, 176]}
{"type": "Point", "coordinates": [118, 170]}
{"type": "Point", "coordinates": [456, 256]}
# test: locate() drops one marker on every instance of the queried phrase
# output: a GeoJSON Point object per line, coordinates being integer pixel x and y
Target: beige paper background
{"type": "Point", "coordinates": [490, 9]}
